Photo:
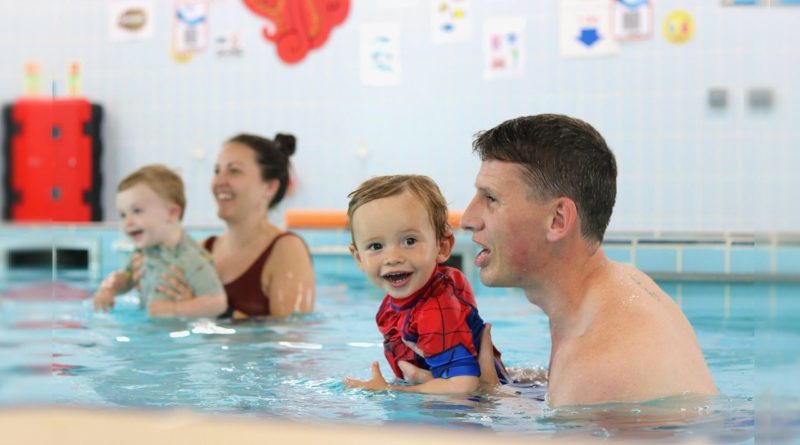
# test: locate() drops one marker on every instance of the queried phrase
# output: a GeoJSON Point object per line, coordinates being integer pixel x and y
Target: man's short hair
{"type": "Point", "coordinates": [561, 156]}
{"type": "Point", "coordinates": [420, 186]}
{"type": "Point", "coordinates": [162, 180]}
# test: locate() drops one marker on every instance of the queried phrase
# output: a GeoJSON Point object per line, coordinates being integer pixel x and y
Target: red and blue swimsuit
{"type": "Point", "coordinates": [440, 321]}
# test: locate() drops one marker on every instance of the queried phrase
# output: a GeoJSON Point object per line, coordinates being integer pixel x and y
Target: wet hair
{"type": "Point", "coordinates": [561, 156]}
{"type": "Point", "coordinates": [420, 186]}
{"type": "Point", "coordinates": [272, 157]}
{"type": "Point", "coordinates": [161, 179]}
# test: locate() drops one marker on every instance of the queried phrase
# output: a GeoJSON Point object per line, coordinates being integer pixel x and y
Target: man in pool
{"type": "Point", "coordinates": [545, 192]}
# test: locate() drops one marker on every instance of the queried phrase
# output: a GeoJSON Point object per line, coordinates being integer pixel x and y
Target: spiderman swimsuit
{"type": "Point", "coordinates": [441, 322]}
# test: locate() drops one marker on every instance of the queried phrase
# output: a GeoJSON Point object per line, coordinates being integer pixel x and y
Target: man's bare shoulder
{"type": "Point", "coordinates": [637, 316]}
{"type": "Point", "coordinates": [623, 280]}
{"type": "Point", "coordinates": [637, 346]}
{"type": "Point", "coordinates": [625, 363]}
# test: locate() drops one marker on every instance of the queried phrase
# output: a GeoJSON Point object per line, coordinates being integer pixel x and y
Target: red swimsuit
{"type": "Point", "coordinates": [441, 321]}
{"type": "Point", "coordinates": [244, 293]}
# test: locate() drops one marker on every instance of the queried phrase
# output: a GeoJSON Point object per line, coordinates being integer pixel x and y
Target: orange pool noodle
{"type": "Point", "coordinates": [335, 219]}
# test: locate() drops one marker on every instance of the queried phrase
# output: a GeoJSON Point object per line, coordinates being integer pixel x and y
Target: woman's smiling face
{"type": "Point", "coordinates": [237, 185]}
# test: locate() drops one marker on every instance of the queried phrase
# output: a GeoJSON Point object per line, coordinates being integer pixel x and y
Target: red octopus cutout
{"type": "Point", "coordinates": [298, 26]}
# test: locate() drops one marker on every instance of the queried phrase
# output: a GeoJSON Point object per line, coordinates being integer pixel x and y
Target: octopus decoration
{"type": "Point", "coordinates": [298, 26]}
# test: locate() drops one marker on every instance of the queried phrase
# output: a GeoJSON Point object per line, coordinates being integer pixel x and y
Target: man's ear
{"type": "Point", "coordinates": [563, 218]}
{"type": "Point", "coordinates": [356, 255]}
{"type": "Point", "coordinates": [445, 247]}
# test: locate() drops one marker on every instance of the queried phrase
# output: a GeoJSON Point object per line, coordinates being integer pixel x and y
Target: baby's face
{"type": "Point", "coordinates": [146, 217]}
{"type": "Point", "coordinates": [396, 245]}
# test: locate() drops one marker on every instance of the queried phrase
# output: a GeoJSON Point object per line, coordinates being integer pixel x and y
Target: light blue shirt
{"type": "Point", "coordinates": [194, 261]}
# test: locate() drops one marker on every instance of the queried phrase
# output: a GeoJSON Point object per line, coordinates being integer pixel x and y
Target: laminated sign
{"type": "Point", "coordinates": [585, 29]}
{"type": "Point", "coordinates": [191, 26]}
{"type": "Point", "coordinates": [632, 19]}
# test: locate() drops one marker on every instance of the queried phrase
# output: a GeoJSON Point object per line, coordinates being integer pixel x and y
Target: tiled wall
{"type": "Point", "coordinates": [706, 257]}
{"type": "Point", "coordinates": [683, 164]}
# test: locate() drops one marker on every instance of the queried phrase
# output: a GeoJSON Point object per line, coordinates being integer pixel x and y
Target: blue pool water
{"type": "Point", "coordinates": [55, 350]}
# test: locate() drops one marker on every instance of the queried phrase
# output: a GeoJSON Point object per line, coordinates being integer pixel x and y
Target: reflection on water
{"type": "Point", "coordinates": [58, 351]}
{"type": "Point", "coordinates": [722, 419]}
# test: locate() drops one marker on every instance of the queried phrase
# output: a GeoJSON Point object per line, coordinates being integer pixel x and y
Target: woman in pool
{"type": "Point", "coordinates": [264, 270]}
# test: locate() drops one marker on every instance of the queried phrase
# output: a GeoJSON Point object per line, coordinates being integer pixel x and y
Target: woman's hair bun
{"type": "Point", "coordinates": [286, 143]}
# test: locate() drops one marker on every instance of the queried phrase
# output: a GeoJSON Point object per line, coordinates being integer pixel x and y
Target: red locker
{"type": "Point", "coordinates": [53, 160]}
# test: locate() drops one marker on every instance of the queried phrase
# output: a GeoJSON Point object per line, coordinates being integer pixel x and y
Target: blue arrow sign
{"type": "Point", "coordinates": [589, 36]}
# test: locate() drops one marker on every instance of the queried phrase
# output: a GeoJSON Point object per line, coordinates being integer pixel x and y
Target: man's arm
{"type": "Point", "coordinates": [488, 376]}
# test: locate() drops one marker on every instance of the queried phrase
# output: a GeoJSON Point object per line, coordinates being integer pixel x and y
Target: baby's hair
{"type": "Point", "coordinates": [161, 179]}
{"type": "Point", "coordinates": [420, 186]}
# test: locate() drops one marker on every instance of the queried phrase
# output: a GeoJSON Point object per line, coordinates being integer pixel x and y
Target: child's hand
{"type": "Point", "coordinates": [161, 308]}
{"type": "Point", "coordinates": [376, 383]}
{"type": "Point", "coordinates": [104, 297]}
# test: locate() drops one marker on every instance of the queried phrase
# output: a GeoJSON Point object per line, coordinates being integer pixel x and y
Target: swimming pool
{"type": "Point", "coordinates": [55, 351]}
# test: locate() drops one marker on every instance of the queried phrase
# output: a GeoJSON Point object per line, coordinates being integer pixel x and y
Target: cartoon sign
{"type": "Point", "coordinates": [380, 54]}
{"type": "Point", "coordinates": [298, 26]}
{"type": "Point", "coordinates": [228, 45]}
{"type": "Point", "coordinates": [678, 27]}
{"type": "Point", "coordinates": [130, 20]}
{"type": "Point", "coordinates": [585, 29]}
{"type": "Point", "coordinates": [632, 19]}
{"type": "Point", "coordinates": [503, 47]}
{"type": "Point", "coordinates": [451, 21]}
{"type": "Point", "coordinates": [190, 31]}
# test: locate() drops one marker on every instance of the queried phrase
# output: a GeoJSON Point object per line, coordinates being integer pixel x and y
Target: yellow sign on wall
{"type": "Point", "coordinates": [678, 27]}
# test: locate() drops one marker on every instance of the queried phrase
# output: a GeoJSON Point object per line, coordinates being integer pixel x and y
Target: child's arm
{"type": "Point", "coordinates": [413, 373]}
{"type": "Point", "coordinates": [199, 306]}
{"type": "Point", "coordinates": [453, 385]}
{"type": "Point", "coordinates": [486, 361]}
{"type": "Point", "coordinates": [117, 282]}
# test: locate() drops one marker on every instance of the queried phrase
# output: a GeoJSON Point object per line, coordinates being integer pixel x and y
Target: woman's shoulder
{"type": "Point", "coordinates": [287, 250]}
{"type": "Point", "coordinates": [289, 241]}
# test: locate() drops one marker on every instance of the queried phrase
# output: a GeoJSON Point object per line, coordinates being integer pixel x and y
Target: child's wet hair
{"type": "Point", "coordinates": [420, 186]}
{"type": "Point", "coordinates": [161, 179]}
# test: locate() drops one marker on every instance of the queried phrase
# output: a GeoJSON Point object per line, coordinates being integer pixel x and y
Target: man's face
{"type": "Point", "coordinates": [509, 226]}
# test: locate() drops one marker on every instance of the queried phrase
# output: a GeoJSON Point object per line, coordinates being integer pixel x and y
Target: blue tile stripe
{"type": "Point", "coordinates": [655, 255]}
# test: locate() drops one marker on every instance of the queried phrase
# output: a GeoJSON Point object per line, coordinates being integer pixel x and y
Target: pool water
{"type": "Point", "coordinates": [55, 350]}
